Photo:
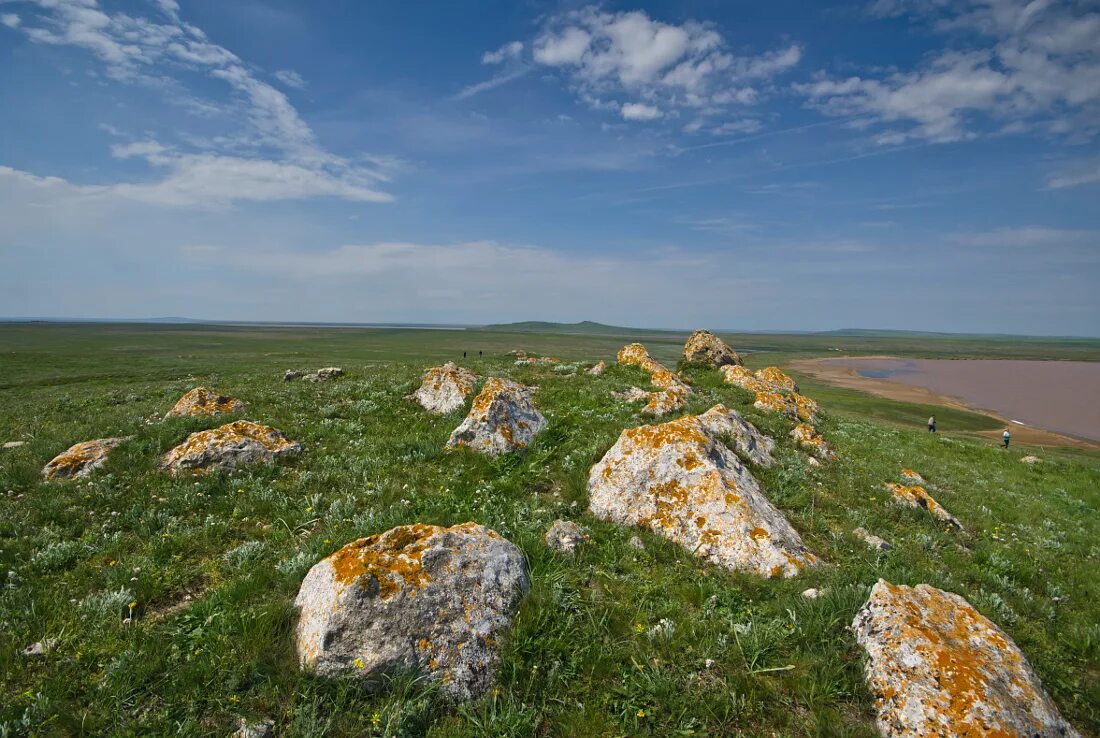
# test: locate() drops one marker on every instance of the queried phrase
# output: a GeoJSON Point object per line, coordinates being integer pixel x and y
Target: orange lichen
{"type": "Point", "coordinates": [462, 379]}
{"type": "Point", "coordinates": [760, 534]}
{"type": "Point", "coordinates": [203, 402]}
{"type": "Point", "coordinates": [80, 458]}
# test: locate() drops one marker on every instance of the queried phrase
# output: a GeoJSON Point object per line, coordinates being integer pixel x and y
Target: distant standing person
{"type": "Point", "coordinates": [932, 424]}
{"type": "Point", "coordinates": [463, 354]}
{"type": "Point", "coordinates": [1006, 437]}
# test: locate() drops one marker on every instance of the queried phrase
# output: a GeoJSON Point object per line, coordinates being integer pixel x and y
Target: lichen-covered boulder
{"type": "Point", "coordinates": [672, 393]}
{"type": "Point", "coordinates": [937, 667]}
{"type": "Point", "coordinates": [635, 354]}
{"type": "Point", "coordinates": [917, 496]}
{"type": "Point", "coordinates": [682, 481]}
{"type": "Point", "coordinates": [910, 476]}
{"type": "Point", "coordinates": [80, 460]}
{"type": "Point", "coordinates": [740, 376]}
{"type": "Point", "coordinates": [776, 378]}
{"type": "Point", "coordinates": [631, 394]}
{"type": "Point", "coordinates": [703, 347]}
{"type": "Point", "coordinates": [597, 369]}
{"type": "Point", "coordinates": [417, 596]}
{"type": "Point", "coordinates": [872, 541]}
{"type": "Point", "coordinates": [503, 418]}
{"type": "Point", "coordinates": [234, 444]}
{"type": "Point", "coordinates": [808, 438]}
{"type": "Point", "coordinates": [445, 388]}
{"type": "Point", "coordinates": [665, 401]}
{"type": "Point", "coordinates": [793, 405]}
{"type": "Point", "coordinates": [201, 402]}
{"type": "Point", "coordinates": [564, 536]}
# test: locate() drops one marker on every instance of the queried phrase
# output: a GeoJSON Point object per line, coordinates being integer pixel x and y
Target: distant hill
{"type": "Point", "coordinates": [585, 327]}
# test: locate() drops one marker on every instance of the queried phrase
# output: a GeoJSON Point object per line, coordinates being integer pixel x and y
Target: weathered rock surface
{"type": "Point", "coordinates": [564, 536]}
{"type": "Point", "coordinates": [537, 360]}
{"type": "Point", "coordinates": [812, 593]}
{"type": "Point", "coordinates": [703, 347]}
{"type": "Point", "coordinates": [775, 392]}
{"type": "Point", "coordinates": [597, 370]}
{"type": "Point", "coordinates": [262, 729]}
{"type": "Point", "coordinates": [1029, 459]}
{"type": "Point", "coordinates": [665, 401]}
{"type": "Point", "coordinates": [873, 541]}
{"type": "Point", "coordinates": [234, 444]}
{"type": "Point", "coordinates": [291, 374]}
{"type": "Point", "coordinates": [14, 444]}
{"type": "Point", "coordinates": [917, 496]}
{"type": "Point", "coordinates": [503, 418]}
{"type": "Point", "coordinates": [912, 477]}
{"type": "Point", "coordinates": [793, 405]}
{"type": "Point", "coordinates": [421, 596]}
{"type": "Point", "coordinates": [672, 393]}
{"type": "Point", "coordinates": [681, 481]}
{"type": "Point", "coordinates": [937, 667]}
{"type": "Point", "coordinates": [445, 388]}
{"type": "Point", "coordinates": [201, 402]}
{"type": "Point", "coordinates": [80, 460]}
{"type": "Point", "coordinates": [323, 375]}
{"type": "Point", "coordinates": [808, 438]}
{"type": "Point", "coordinates": [631, 394]}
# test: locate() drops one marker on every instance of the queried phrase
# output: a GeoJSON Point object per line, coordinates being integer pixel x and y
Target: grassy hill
{"type": "Point", "coordinates": [207, 568]}
{"type": "Point", "coordinates": [585, 327]}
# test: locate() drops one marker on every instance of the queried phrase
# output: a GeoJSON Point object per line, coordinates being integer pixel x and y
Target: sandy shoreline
{"type": "Point", "coordinates": [827, 369]}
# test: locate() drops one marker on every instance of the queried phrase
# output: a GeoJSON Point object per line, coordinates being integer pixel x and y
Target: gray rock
{"type": "Point", "coordinates": [235, 444]}
{"type": "Point", "coordinates": [80, 460]}
{"type": "Point", "coordinates": [291, 374]}
{"type": "Point", "coordinates": [596, 370]}
{"type": "Point", "coordinates": [872, 540]}
{"type": "Point", "coordinates": [420, 596]}
{"type": "Point", "coordinates": [937, 667]}
{"type": "Point", "coordinates": [636, 543]}
{"type": "Point", "coordinates": [564, 536]}
{"type": "Point", "coordinates": [631, 394]}
{"type": "Point", "coordinates": [1029, 459]}
{"type": "Point", "coordinates": [445, 388]}
{"type": "Point", "coordinates": [323, 375]}
{"type": "Point", "coordinates": [703, 347]}
{"type": "Point", "coordinates": [41, 648]}
{"type": "Point", "coordinates": [502, 418]}
{"type": "Point", "coordinates": [261, 729]}
{"type": "Point", "coordinates": [682, 481]}
{"type": "Point", "coordinates": [14, 444]}
{"type": "Point", "coordinates": [811, 593]}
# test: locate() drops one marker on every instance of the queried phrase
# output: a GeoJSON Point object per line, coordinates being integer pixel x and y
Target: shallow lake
{"type": "Point", "coordinates": [1062, 396]}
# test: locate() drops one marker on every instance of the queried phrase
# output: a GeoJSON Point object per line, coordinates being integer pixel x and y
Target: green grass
{"type": "Point", "coordinates": [213, 564]}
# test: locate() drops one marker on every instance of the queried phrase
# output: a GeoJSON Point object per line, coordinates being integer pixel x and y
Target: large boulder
{"type": "Point", "coordinates": [682, 481]}
{"type": "Point", "coordinates": [445, 388]}
{"type": "Point", "coordinates": [417, 596]}
{"type": "Point", "coordinates": [80, 460]}
{"type": "Point", "coordinates": [937, 667]}
{"type": "Point", "coordinates": [776, 378]}
{"type": "Point", "coordinates": [918, 497]}
{"type": "Point", "coordinates": [703, 347]}
{"type": "Point", "coordinates": [234, 444]}
{"type": "Point", "coordinates": [201, 402]}
{"type": "Point", "coordinates": [503, 418]}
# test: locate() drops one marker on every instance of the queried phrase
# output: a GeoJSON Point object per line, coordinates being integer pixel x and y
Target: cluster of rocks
{"type": "Point", "coordinates": [321, 375]}
{"type": "Point", "coordinates": [775, 391]}
{"type": "Point", "coordinates": [672, 392]}
{"type": "Point", "coordinates": [524, 360]}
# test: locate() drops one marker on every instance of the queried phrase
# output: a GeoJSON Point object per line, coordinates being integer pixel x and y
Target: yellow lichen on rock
{"type": "Point", "coordinates": [777, 378]}
{"type": "Point", "coordinates": [911, 476]}
{"type": "Point", "coordinates": [228, 446]}
{"type": "Point", "coordinates": [807, 437]}
{"type": "Point", "coordinates": [917, 496]}
{"type": "Point", "coordinates": [937, 667]}
{"type": "Point", "coordinates": [740, 376]}
{"type": "Point", "coordinates": [201, 402]}
{"type": "Point", "coordinates": [703, 347]}
{"type": "Point", "coordinates": [445, 388]}
{"type": "Point", "coordinates": [81, 459]}
{"type": "Point", "coordinates": [502, 418]}
{"type": "Point", "coordinates": [672, 392]}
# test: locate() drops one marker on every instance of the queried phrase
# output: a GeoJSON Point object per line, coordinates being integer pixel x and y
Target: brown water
{"type": "Point", "coordinates": [1062, 396]}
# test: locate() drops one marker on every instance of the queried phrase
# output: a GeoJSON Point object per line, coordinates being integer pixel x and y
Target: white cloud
{"type": "Point", "coordinates": [144, 50]}
{"type": "Point", "coordinates": [490, 84]}
{"type": "Point", "coordinates": [1027, 61]}
{"type": "Point", "coordinates": [510, 50]}
{"type": "Point", "coordinates": [1028, 237]}
{"type": "Point", "coordinates": [1083, 173]}
{"type": "Point", "coordinates": [290, 78]}
{"type": "Point", "coordinates": [638, 111]}
{"type": "Point", "coordinates": [635, 65]}
{"type": "Point", "coordinates": [11, 20]}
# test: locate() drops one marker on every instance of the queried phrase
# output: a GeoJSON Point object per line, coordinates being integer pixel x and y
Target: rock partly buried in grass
{"type": "Point", "coordinates": [631, 394]}
{"type": "Point", "coordinates": [201, 402]}
{"type": "Point", "coordinates": [665, 401]}
{"type": "Point", "coordinates": [775, 392]}
{"type": "Point", "coordinates": [14, 444]}
{"type": "Point", "coordinates": [703, 347]}
{"type": "Point", "coordinates": [793, 405]}
{"type": "Point", "coordinates": [537, 361]}
{"type": "Point", "coordinates": [80, 460]}
{"type": "Point", "coordinates": [596, 370]}
{"type": "Point", "coordinates": [682, 481]}
{"type": "Point", "coordinates": [635, 354]}
{"type": "Point", "coordinates": [291, 374]}
{"type": "Point", "coordinates": [564, 536]}
{"type": "Point", "coordinates": [672, 393]}
{"type": "Point", "coordinates": [1029, 459]}
{"type": "Point", "coordinates": [937, 667]}
{"type": "Point", "coordinates": [445, 388]}
{"type": "Point", "coordinates": [418, 596]}
{"type": "Point", "coordinates": [873, 541]}
{"type": "Point", "coordinates": [503, 418]}
{"type": "Point", "coordinates": [261, 729]}
{"type": "Point", "coordinates": [235, 444]}
{"type": "Point", "coordinates": [323, 375]}
{"type": "Point", "coordinates": [808, 438]}
{"type": "Point", "coordinates": [917, 496]}
{"type": "Point", "coordinates": [912, 477]}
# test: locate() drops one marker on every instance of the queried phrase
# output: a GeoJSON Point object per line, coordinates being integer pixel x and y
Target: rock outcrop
{"type": "Point", "coordinates": [681, 481]}
{"type": "Point", "coordinates": [917, 496]}
{"type": "Point", "coordinates": [703, 347]}
{"type": "Point", "coordinates": [937, 667]}
{"type": "Point", "coordinates": [234, 444]}
{"type": "Point", "coordinates": [672, 394]}
{"type": "Point", "coordinates": [775, 392]}
{"type": "Point", "coordinates": [201, 402]}
{"type": "Point", "coordinates": [564, 536]}
{"type": "Point", "coordinates": [80, 460]}
{"type": "Point", "coordinates": [503, 418]}
{"type": "Point", "coordinates": [872, 541]}
{"type": "Point", "coordinates": [445, 388]}
{"type": "Point", "coordinates": [808, 438]}
{"type": "Point", "coordinates": [417, 596]}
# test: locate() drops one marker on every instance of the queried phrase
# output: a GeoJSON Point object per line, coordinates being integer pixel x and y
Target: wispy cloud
{"type": "Point", "coordinates": [1082, 173]}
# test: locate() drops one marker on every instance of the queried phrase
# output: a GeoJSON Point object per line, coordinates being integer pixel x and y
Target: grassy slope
{"type": "Point", "coordinates": [581, 660]}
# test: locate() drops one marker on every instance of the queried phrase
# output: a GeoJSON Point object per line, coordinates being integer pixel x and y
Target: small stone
{"type": "Point", "coordinates": [872, 540]}
{"type": "Point", "coordinates": [811, 594]}
{"type": "Point", "coordinates": [937, 667]}
{"type": "Point", "coordinates": [917, 496]}
{"type": "Point", "coordinates": [636, 543]}
{"type": "Point", "coordinates": [263, 729]}
{"type": "Point", "coordinates": [808, 438]}
{"type": "Point", "coordinates": [912, 477]}
{"type": "Point", "coordinates": [596, 370]}
{"type": "Point", "coordinates": [564, 536]}
{"type": "Point", "coordinates": [41, 648]}
{"type": "Point", "coordinates": [1031, 459]}
{"type": "Point", "coordinates": [201, 402]}
{"type": "Point", "coordinates": [291, 374]}
{"type": "Point", "coordinates": [703, 347]}
{"type": "Point", "coordinates": [14, 444]}
{"type": "Point", "coordinates": [812, 461]}
{"type": "Point", "coordinates": [631, 394]}
{"type": "Point", "coordinates": [323, 375]}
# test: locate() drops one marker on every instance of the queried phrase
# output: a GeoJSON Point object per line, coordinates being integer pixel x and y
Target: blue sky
{"type": "Point", "coordinates": [917, 164]}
